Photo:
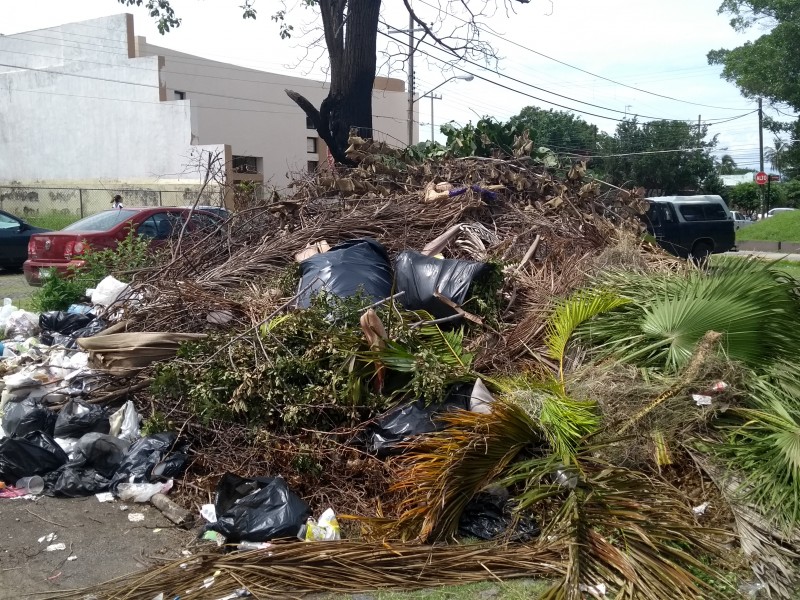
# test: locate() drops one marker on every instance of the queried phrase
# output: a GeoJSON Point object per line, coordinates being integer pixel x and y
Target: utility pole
{"type": "Point", "coordinates": [410, 79]}
{"type": "Point", "coordinates": [761, 150]}
{"type": "Point", "coordinates": [410, 31]}
{"type": "Point", "coordinates": [433, 97]}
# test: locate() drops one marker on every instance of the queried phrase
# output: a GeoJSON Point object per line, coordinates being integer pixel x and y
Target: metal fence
{"type": "Point", "coordinates": [51, 206]}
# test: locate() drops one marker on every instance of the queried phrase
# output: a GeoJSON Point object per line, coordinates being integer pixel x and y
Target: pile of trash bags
{"type": "Point", "coordinates": [48, 425]}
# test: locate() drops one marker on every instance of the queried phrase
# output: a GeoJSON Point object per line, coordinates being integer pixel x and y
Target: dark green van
{"type": "Point", "coordinates": [693, 226]}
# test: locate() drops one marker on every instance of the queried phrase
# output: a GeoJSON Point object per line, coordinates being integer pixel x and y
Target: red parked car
{"type": "Point", "coordinates": [61, 250]}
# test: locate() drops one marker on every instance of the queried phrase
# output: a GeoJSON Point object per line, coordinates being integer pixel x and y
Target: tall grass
{"type": "Point", "coordinates": [54, 221]}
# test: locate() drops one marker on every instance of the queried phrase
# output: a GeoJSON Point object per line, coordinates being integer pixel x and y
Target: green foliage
{"type": "Point", "coordinates": [58, 291]}
{"type": "Point", "coordinates": [744, 196]}
{"type": "Point", "coordinates": [749, 302]}
{"type": "Point", "coordinates": [671, 172]}
{"type": "Point", "coordinates": [562, 420]}
{"type": "Point", "coordinates": [431, 357]}
{"type": "Point", "coordinates": [156, 423]}
{"type": "Point", "coordinates": [569, 314]}
{"type": "Point", "coordinates": [312, 368]}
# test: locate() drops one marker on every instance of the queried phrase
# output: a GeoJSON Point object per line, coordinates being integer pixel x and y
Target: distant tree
{"type": "Point", "coordinates": [350, 33]}
{"type": "Point", "coordinates": [560, 131]}
{"type": "Point", "coordinates": [727, 166]}
{"type": "Point", "coordinates": [776, 154]}
{"type": "Point", "coordinates": [744, 196]}
{"type": "Point", "coordinates": [671, 156]}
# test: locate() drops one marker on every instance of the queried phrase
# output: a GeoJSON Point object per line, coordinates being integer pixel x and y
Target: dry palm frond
{"type": "Point", "coordinates": [773, 555]}
{"type": "Point", "coordinates": [293, 569]}
{"type": "Point", "coordinates": [446, 469]}
{"type": "Point", "coordinates": [626, 533]}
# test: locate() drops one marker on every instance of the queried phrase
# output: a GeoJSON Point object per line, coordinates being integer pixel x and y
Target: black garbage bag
{"type": "Point", "coordinates": [59, 321]}
{"type": "Point", "coordinates": [420, 277]}
{"type": "Point", "coordinates": [144, 455]}
{"type": "Point", "coordinates": [35, 453]}
{"type": "Point", "coordinates": [79, 418]}
{"type": "Point", "coordinates": [405, 422]}
{"type": "Point", "coordinates": [70, 340]}
{"type": "Point", "coordinates": [488, 516]}
{"type": "Point", "coordinates": [93, 328]}
{"type": "Point", "coordinates": [26, 416]}
{"type": "Point", "coordinates": [73, 481]}
{"type": "Point", "coordinates": [257, 510]}
{"type": "Point", "coordinates": [348, 268]}
{"type": "Point", "coordinates": [100, 452]}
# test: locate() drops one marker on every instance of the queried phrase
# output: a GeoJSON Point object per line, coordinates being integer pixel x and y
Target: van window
{"type": "Point", "coordinates": [715, 212]}
{"type": "Point", "coordinates": [709, 211]}
{"type": "Point", "coordinates": [692, 212]}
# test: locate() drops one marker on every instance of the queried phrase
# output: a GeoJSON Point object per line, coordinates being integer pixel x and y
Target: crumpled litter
{"type": "Point", "coordinates": [701, 400]}
{"type": "Point", "coordinates": [142, 492]}
{"type": "Point", "coordinates": [324, 530]}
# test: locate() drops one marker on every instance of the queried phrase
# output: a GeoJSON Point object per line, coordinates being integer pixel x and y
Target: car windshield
{"type": "Point", "coordinates": [101, 221]}
{"type": "Point", "coordinates": [7, 222]}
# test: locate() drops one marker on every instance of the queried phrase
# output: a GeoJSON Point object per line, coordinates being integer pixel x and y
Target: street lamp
{"type": "Point", "coordinates": [430, 95]}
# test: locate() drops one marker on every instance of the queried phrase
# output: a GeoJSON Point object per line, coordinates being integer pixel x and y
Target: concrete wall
{"type": "Point", "coordinates": [87, 113]}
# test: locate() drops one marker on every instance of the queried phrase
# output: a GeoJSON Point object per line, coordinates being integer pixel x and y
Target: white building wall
{"type": "Point", "coordinates": [71, 111]}
{"type": "Point", "coordinates": [75, 106]}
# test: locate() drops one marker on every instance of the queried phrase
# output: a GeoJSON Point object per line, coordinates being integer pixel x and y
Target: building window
{"type": "Point", "coordinates": [245, 164]}
{"type": "Point", "coordinates": [311, 145]}
{"type": "Point", "coordinates": [180, 95]}
{"type": "Point", "coordinates": [312, 166]}
{"type": "Point", "coordinates": [309, 123]}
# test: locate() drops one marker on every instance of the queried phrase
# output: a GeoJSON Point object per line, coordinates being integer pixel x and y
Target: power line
{"type": "Point", "coordinates": [527, 84]}
{"type": "Point", "coordinates": [561, 62]}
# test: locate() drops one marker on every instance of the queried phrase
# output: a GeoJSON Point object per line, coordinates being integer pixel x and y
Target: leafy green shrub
{"type": "Point", "coordinates": [313, 368]}
{"type": "Point", "coordinates": [59, 291]}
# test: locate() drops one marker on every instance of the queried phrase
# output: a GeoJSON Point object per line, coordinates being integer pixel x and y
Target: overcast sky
{"type": "Point", "coordinates": [658, 46]}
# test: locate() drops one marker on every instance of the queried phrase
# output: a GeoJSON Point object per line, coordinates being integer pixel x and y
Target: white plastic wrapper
{"type": "Point", "coordinates": [141, 492]}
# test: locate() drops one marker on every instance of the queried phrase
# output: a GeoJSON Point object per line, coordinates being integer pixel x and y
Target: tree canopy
{"type": "Point", "coordinates": [769, 66]}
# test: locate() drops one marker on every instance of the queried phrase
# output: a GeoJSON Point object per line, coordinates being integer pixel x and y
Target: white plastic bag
{"type": "Point", "coordinates": [22, 322]}
{"type": "Point", "coordinates": [125, 423]}
{"type": "Point", "coordinates": [5, 312]}
{"type": "Point", "coordinates": [108, 291]}
{"type": "Point", "coordinates": [141, 492]}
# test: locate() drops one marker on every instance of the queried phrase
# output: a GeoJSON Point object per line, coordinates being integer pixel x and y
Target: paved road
{"type": "Point", "coordinates": [13, 285]}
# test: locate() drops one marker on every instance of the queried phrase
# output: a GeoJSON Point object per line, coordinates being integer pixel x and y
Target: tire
{"type": "Point", "coordinates": [700, 253]}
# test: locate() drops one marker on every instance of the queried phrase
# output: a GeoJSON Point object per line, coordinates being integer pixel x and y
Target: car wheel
{"type": "Point", "coordinates": [700, 253]}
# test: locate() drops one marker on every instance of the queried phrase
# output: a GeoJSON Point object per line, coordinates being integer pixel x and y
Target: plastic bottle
{"type": "Point", "coordinates": [5, 311]}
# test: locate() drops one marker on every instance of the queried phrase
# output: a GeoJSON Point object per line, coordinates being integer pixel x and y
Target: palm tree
{"type": "Point", "coordinates": [727, 166]}
{"type": "Point", "coordinates": [775, 154]}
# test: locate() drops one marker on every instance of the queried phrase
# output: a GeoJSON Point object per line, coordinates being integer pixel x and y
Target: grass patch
{"type": "Point", "coordinates": [789, 267]}
{"type": "Point", "coordinates": [53, 221]}
{"type": "Point", "coordinates": [519, 589]}
{"type": "Point", "coordinates": [783, 227]}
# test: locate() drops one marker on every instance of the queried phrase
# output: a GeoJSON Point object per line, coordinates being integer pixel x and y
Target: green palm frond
{"type": "Point", "coordinates": [765, 451]}
{"type": "Point", "coordinates": [570, 313]}
{"type": "Point", "coordinates": [747, 301]}
{"type": "Point", "coordinates": [563, 421]}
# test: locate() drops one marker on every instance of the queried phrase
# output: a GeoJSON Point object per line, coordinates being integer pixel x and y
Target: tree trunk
{"type": "Point", "coordinates": [352, 47]}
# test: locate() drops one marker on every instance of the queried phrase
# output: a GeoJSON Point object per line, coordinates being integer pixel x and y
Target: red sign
{"type": "Point", "coordinates": [761, 178]}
